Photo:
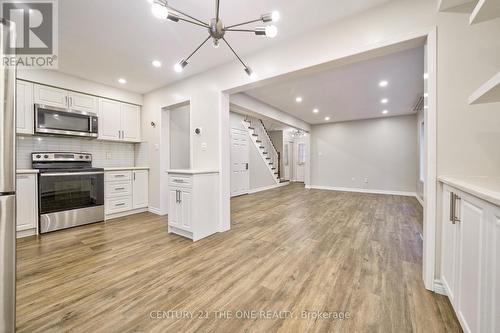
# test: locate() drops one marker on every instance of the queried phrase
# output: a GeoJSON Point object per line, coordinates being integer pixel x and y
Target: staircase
{"type": "Point", "coordinates": [262, 140]}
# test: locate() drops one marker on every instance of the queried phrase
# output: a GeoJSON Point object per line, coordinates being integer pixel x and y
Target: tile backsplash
{"type": "Point", "coordinates": [104, 154]}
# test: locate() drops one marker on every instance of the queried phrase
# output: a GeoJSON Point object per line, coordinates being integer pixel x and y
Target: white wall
{"type": "Point", "coordinates": [69, 82]}
{"type": "Point", "coordinates": [179, 130]}
{"type": "Point", "coordinates": [383, 150]}
{"type": "Point", "coordinates": [380, 27]}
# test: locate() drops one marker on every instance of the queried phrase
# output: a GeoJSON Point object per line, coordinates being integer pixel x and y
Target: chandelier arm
{"type": "Point", "coordinates": [244, 23]}
{"type": "Point", "coordinates": [188, 16]}
{"type": "Point", "coordinates": [217, 10]}
{"type": "Point", "coordinates": [199, 47]}
{"type": "Point", "coordinates": [240, 30]}
{"type": "Point", "coordinates": [234, 52]}
{"type": "Point", "coordinates": [193, 22]}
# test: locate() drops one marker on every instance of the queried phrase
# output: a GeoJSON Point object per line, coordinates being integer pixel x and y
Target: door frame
{"type": "Point", "coordinates": [430, 185]}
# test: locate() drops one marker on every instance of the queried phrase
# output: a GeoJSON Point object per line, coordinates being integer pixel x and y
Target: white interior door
{"type": "Point", "coordinates": [287, 160]}
{"type": "Point", "coordinates": [240, 181]}
{"type": "Point", "coordinates": [300, 160]}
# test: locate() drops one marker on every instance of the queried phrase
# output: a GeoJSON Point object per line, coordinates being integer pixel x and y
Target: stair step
{"type": "Point", "coordinates": [251, 128]}
{"type": "Point", "coordinates": [264, 152]}
{"type": "Point", "coordinates": [275, 173]}
{"type": "Point", "coordinates": [273, 168]}
{"type": "Point", "coordinates": [262, 147]}
{"type": "Point", "coordinates": [258, 141]}
{"type": "Point", "coordinates": [254, 135]}
{"type": "Point", "coordinates": [268, 158]}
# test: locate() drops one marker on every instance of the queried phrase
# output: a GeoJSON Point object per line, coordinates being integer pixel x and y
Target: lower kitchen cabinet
{"type": "Point", "coordinates": [126, 192]}
{"type": "Point", "coordinates": [470, 259]}
{"type": "Point", "coordinates": [26, 205]}
{"type": "Point", "coordinates": [193, 204]}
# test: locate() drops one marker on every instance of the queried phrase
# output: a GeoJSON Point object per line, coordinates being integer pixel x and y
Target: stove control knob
{"type": "Point", "coordinates": [38, 156]}
{"type": "Point", "coordinates": [87, 157]}
{"type": "Point", "coordinates": [45, 156]}
{"type": "Point", "coordinates": [81, 157]}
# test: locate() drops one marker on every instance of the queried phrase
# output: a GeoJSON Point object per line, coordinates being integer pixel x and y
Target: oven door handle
{"type": "Point", "coordinates": [71, 174]}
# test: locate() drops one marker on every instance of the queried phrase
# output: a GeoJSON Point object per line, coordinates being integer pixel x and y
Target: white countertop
{"type": "Point", "coordinates": [125, 168]}
{"type": "Point", "coordinates": [191, 171]}
{"type": "Point", "coordinates": [486, 188]}
{"type": "Point", "coordinates": [26, 171]}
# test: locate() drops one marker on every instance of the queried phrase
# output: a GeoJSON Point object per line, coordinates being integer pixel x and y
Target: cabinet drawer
{"type": "Point", "coordinates": [118, 189]}
{"type": "Point", "coordinates": [118, 205]}
{"type": "Point", "coordinates": [118, 175]}
{"type": "Point", "coordinates": [182, 181]}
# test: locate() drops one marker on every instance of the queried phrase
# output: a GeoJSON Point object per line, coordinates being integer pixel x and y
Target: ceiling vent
{"type": "Point", "coordinates": [419, 105]}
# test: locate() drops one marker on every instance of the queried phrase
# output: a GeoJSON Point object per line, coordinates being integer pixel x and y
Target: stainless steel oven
{"type": "Point", "coordinates": [71, 192]}
{"type": "Point", "coordinates": [58, 121]}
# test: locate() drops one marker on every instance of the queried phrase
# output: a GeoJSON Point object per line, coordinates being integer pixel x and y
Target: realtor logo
{"type": "Point", "coordinates": [33, 43]}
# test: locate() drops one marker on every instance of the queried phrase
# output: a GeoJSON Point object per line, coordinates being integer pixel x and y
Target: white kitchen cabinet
{"type": "Point", "coordinates": [119, 121]}
{"type": "Point", "coordinates": [125, 192]}
{"type": "Point", "coordinates": [26, 204]}
{"type": "Point", "coordinates": [83, 102]}
{"type": "Point", "coordinates": [130, 122]}
{"type": "Point", "coordinates": [24, 107]}
{"type": "Point", "coordinates": [140, 188]}
{"type": "Point", "coordinates": [469, 263]}
{"type": "Point", "coordinates": [51, 96]}
{"type": "Point", "coordinates": [193, 203]}
{"type": "Point", "coordinates": [109, 120]}
{"type": "Point", "coordinates": [449, 250]}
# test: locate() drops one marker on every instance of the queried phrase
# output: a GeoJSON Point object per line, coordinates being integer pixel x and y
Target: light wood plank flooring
{"type": "Point", "coordinates": [289, 249]}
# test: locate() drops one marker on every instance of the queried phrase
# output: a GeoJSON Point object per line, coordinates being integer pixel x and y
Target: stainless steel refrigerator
{"type": "Point", "coordinates": [7, 188]}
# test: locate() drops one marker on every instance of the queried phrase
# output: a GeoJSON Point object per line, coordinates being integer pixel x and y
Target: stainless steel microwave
{"type": "Point", "coordinates": [51, 120]}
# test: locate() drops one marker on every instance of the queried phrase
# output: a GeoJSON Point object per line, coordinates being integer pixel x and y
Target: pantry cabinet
{"type": "Point", "coordinates": [119, 121]}
{"type": "Point", "coordinates": [469, 259]}
{"type": "Point", "coordinates": [24, 108]}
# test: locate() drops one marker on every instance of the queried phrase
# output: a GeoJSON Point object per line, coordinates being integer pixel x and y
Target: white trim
{"type": "Point", "coordinates": [420, 201]}
{"type": "Point", "coordinates": [157, 211]}
{"type": "Point", "coordinates": [265, 188]}
{"type": "Point", "coordinates": [430, 184]}
{"type": "Point", "coordinates": [362, 190]}
{"type": "Point", "coordinates": [26, 233]}
{"type": "Point", "coordinates": [127, 213]}
{"type": "Point", "coordinates": [439, 287]}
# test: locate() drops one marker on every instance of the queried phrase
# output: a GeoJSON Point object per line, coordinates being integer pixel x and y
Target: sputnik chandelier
{"type": "Point", "coordinates": [216, 29]}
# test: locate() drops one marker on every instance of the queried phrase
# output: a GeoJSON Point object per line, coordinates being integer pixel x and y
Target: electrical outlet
{"type": "Point", "coordinates": [366, 180]}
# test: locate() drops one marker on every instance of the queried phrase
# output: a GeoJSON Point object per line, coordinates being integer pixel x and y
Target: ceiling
{"type": "Point", "coordinates": [352, 92]}
{"type": "Point", "coordinates": [103, 40]}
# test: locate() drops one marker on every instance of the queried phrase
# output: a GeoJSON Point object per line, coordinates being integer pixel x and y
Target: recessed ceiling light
{"type": "Point", "coordinates": [327, 118]}
{"type": "Point", "coordinates": [315, 111]}
{"type": "Point", "coordinates": [122, 81]}
{"type": "Point", "coordinates": [385, 112]}
{"type": "Point", "coordinates": [384, 101]}
{"type": "Point", "coordinates": [299, 99]}
{"type": "Point", "coordinates": [156, 63]}
{"type": "Point", "coordinates": [383, 83]}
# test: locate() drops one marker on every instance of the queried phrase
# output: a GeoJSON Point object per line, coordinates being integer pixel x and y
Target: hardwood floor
{"type": "Point", "coordinates": [289, 249]}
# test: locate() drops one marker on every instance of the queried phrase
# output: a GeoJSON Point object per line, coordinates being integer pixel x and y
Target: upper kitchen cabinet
{"type": "Point", "coordinates": [51, 96]}
{"type": "Point", "coordinates": [24, 107]}
{"type": "Point", "coordinates": [119, 121]}
{"type": "Point", "coordinates": [83, 102]}
{"type": "Point", "coordinates": [65, 99]}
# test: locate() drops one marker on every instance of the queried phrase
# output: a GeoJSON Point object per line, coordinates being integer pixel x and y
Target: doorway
{"type": "Point", "coordinates": [240, 180]}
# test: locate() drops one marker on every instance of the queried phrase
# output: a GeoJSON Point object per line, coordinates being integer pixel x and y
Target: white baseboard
{"type": "Point", "coordinates": [265, 188]}
{"type": "Point", "coordinates": [420, 201]}
{"type": "Point", "coordinates": [26, 233]}
{"type": "Point", "coordinates": [122, 214]}
{"type": "Point", "coordinates": [439, 288]}
{"type": "Point", "coordinates": [157, 211]}
{"type": "Point", "coordinates": [362, 190]}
